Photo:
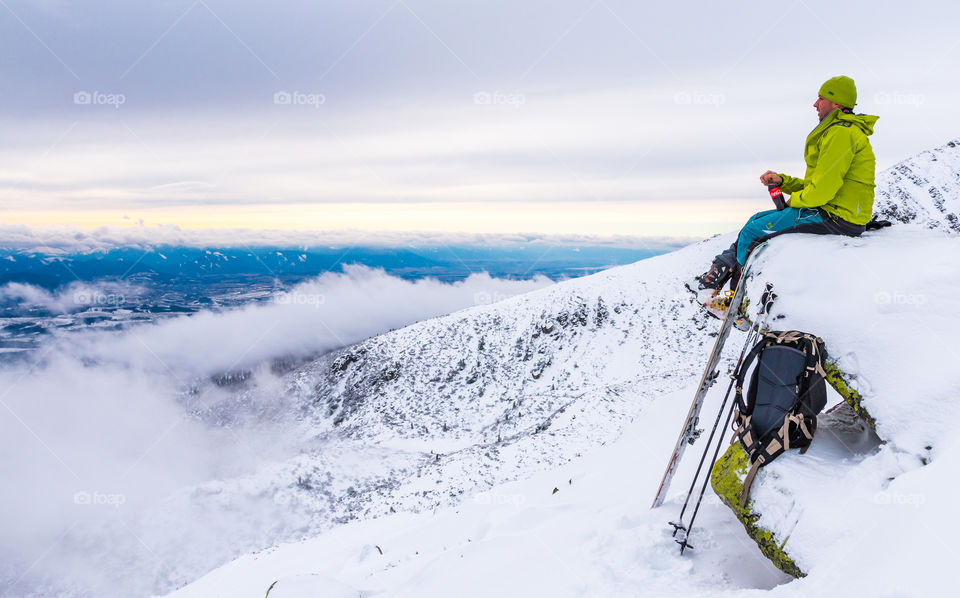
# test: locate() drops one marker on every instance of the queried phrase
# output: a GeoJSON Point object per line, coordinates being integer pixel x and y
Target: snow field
{"type": "Point", "coordinates": [860, 517]}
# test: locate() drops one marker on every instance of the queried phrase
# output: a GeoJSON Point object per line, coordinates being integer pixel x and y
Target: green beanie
{"type": "Point", "coordinates": [840, 90]}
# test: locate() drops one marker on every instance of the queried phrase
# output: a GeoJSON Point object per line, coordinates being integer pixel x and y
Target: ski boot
{"type": "Point", "coordinates": [714, 278]}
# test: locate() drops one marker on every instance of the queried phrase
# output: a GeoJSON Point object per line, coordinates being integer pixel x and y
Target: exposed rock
{"type": "Point", "coordinates": [727, 481]}
{"type": "Point", "coordinates": [915, 189]}
{"type": "Point", "coordinates": [841, 423]}
{"type": "Point", "coordinates": [842, 384]}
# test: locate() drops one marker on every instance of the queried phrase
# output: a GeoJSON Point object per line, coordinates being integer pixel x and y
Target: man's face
{"type": "Point", "coordinates": [824, 107]}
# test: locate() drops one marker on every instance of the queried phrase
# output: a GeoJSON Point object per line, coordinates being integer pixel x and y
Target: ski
{"type": "Point", "coordinates": [689, 432]}
{"type": "Point", "coordinates": [754, 333]}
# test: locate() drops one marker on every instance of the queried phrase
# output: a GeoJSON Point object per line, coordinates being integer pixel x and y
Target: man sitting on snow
{"type": "Point", "coordinates": [835, 196]}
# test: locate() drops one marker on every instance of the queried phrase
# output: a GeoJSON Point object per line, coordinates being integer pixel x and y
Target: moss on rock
{"type": "Point", "coordinates": [727, 481]}
{"type": "Point", "coordinates": [841, 383]}
{"type": "Point", "coordinates": [731, 469]}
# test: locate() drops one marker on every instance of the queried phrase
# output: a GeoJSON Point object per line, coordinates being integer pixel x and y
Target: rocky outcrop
{"type": "Point", "coordinates": [727, 481]}
{"type": "Point", "coordinates": [843, 384]}
{"type": "Point", "coordinates": [845, 419]}
{"type": "Point", "coordinates": [922, 189]}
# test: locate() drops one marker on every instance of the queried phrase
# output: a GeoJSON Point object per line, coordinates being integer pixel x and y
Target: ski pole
{"type": "Point", "coordinates": [766, 302]}
{"type": "Point", "coordinates": [751, 337]}
{"type": "Point", "coordinates": [689, 432]}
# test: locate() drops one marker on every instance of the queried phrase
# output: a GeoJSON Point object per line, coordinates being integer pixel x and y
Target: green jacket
{"type": "Point", "coordinates": [840, 168]}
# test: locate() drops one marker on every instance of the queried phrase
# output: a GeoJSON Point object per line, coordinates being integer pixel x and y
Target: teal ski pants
{"type": "Point", "coordinates": [762, 224]}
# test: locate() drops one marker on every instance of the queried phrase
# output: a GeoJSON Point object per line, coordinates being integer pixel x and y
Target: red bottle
{"type": "Point", "coordinates": [777, 196]}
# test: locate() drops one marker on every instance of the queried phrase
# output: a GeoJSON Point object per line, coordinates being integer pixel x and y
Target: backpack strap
{"type": "Point", "coordinates": [777, 445]}
{"type": "Point", "coordinates": [748, 482]}
{"type": "Point", "coordinates": [768, 338]}
{"type": "Point", "coordinates": [790, 336]}
{"type": "Point", "coordinates": [815, 356]}
{"type": "Point", "coordinates": [811, 347]}
{"type": "Point", "coordinates": [743, 433]}
{"type": "Point", "coordinates": [800, 422]}
{"type": "Point", "coordinates": [773, 449]}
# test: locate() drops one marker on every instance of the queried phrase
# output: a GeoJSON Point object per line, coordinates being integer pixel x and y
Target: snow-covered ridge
{"type": "Point", "coordinates": [436, 412]}
{"type": "Point", "coordinates": [892, 336]}
{"type": "Point", "coordinates": [396, 423]}
{"type": "Point", "coordinates": [924, 189]}
{"type": "Point", "coordinates": [584, 528]}
{"type": "Point", "coordinates": [451, 406]}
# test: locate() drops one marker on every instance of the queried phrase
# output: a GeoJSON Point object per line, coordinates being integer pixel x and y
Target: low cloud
{"type": "Point", "coordinates": [57, 240]}
{"type": "Point", "coordinates": [102, 435]}
{"type": "Point", "coordinates": [74, 297]}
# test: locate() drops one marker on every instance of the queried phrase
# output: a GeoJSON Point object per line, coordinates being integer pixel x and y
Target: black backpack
{"type": "Point", "coordinates": [787, 391]}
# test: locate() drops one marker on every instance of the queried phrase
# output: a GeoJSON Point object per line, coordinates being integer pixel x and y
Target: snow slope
{"type": "Point", "coordinates": [846, 496]}
{"type": "Point", "coordinates": [887, 305]}
{"type": "Point", "coordinates": [411, 439]}
{"type": "Point", "coordinates": [408, 421]}
{"type": "Point", "coordinates": [922, 189]}
{"type": "Point", "coordinates": [872, 510]}
{"type": "Point", "coordinates": [430, 414]}
{"type": "Point", "coordinates": [582, 529]}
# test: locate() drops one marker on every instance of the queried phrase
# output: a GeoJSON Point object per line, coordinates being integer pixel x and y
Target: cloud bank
{"type": "Point", "coordinates": [104, 433]}
{"type": "Point", "coordinates": [56, 240]}
{"type": "Point", "coordinates": [73, 297]}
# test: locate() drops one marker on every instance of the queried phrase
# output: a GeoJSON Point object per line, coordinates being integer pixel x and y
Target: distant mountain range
{"type": "Point", "coordinates": [447, 263]}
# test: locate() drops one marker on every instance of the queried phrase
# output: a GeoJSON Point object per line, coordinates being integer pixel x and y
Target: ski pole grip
{"type": "Point", "coordinates": [777, 196]}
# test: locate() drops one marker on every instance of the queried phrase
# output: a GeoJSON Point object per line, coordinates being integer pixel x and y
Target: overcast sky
{"type": "Point", "coordinates": [595, 117]}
